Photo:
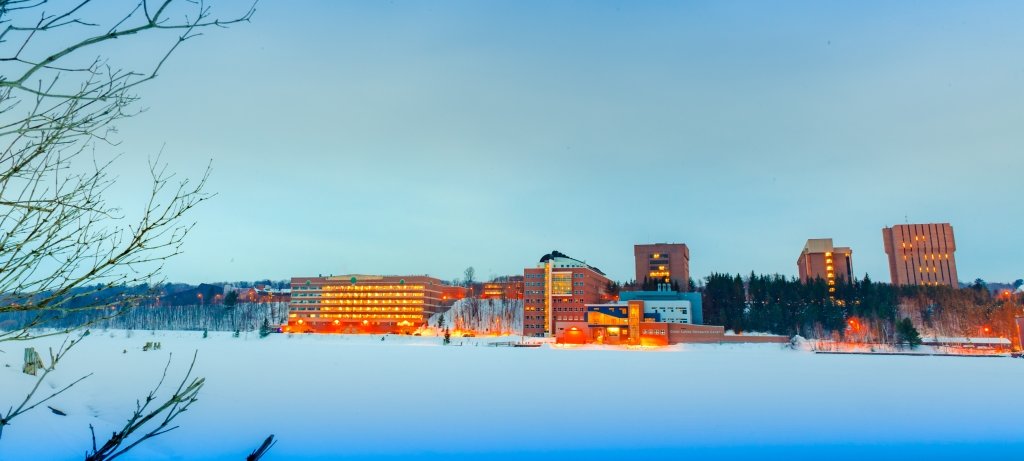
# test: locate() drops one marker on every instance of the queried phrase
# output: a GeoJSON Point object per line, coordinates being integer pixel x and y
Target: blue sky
{"type": "Point", "coordinates": [424, 137]}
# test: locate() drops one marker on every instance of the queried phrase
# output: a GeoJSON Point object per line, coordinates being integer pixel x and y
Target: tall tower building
{"type": "Point", "coordinates": [821, 260]}
{"type": "Point", "coordinates": [663, 263]}
{"type": "Point", "coordinates": [921, 254]}
{"type": "Point", "coordinates": [558, 290]}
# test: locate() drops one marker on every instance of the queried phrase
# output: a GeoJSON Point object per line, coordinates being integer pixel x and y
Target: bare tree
{"type": "Point", "coordinates": [60, 239]}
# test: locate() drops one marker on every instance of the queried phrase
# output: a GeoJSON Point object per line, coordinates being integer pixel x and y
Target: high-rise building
{"type": "Point", "coordinates": [659, 263]}
{"type": "Point", "coordinates": [558, 289]}
{"type": "Point", "coordinates": [921, 254]}
{"type": "Point", "coordinates": [821, 260]}
{"type": "Point", "coordinates": [363, 303]}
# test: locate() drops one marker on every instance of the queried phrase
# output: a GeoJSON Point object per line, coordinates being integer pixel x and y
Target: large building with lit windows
{"type": "Point", "coordinates": [363, 303]}
{"type": "Point", "coordinates": [658, 263]}
{"type": "Point", "coordinates": [558, 289]}
{"type": "Point", "coordinates": [921, 254]}
{"type": "Point", "coordinates": [821, 260]}
{"type": "Point", "coordinates": [650, 318]}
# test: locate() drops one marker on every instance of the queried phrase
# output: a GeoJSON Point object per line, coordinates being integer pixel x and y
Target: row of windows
{"type": "Point", "coordinates": [382, 294]}
{"type": "Point", "coordinates": [371, 309]}
{"type": "Point", "coordinates": [575, 275]}
{"type": "Point", "coordinates": [399, 287]}
{"type": "Point", "coordinates": [371, 301]}
{"type": "Point", "coordinates": [361, 316]}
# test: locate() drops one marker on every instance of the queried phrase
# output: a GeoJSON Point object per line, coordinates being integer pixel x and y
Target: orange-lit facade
{"type": "Point", "coordinates": [512, 288]}
{"type": "Point", "coordinates": [450, 294]}
{"type": "Point", "coordinates": [363, 303]}
{"type": "Point", "coordinates": [631, 324]}
{"type": "Point", "coordinates": [1020, 332]}
{"type": "Point", "coordinates": [921, 254]}
{"type": "Point", "coordinates": [663, 263]}
{"type": "Point", "coordinates": [559, 289]}
{"type": "Point", "coordinates": [821, 260]}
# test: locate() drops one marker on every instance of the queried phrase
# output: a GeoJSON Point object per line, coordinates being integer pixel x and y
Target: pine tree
{"type": "Point", "coordinates": [907, 333]}
{"type": "Point", "coordinates": [265, 328]}
{"type": "Point", "coordinates": [447, 337]}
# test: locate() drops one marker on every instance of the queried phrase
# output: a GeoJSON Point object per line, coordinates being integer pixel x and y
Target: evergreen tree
{"type": "Point", "coordinates": [231, 299]}
{"type": "Point", "coordinates": [447, 337]}
{"type": "Point", "coordinates": [907, 333]}
{"type": "Point", "coordinates": [265, 328]}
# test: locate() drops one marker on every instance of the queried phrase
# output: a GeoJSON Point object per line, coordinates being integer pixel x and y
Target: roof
{"type": "Point", "coordinates": [557, 257]}
{"type": "Point", "coordinates": [961, 340]}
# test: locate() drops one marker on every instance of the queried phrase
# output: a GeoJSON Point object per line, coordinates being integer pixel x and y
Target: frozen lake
{"type": "Point", "coordinates": [331, 397]}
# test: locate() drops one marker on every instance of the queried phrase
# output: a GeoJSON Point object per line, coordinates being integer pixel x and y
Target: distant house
{"type": "Point", "coordinates": [260, 293]}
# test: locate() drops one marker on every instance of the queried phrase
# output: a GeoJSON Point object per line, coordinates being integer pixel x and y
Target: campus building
{"type": "Point", "coordinates": [363, 303]}
{"type": "Point", "coordinates": [648, 318]}
{"type": "Point", "coordinates": [558, 289]}
{"type": "Point", "coordinates": [1020, 332]}
{"type": "Point", "coordinates": [663, 263]}
{"type": "Point", "coordinates": [921, 254]}
{"type": "Point", "coordinates": [507, 288]}
{"type": "Point", "coordinates": [821, 260]}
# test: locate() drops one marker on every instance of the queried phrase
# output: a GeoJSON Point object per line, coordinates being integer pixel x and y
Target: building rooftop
{"type": "Point", "coordinates": [559, 259]}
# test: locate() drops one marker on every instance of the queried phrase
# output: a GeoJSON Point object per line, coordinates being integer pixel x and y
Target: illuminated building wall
{"type": "Point", "coordinates": [363, 303]}
{"type": "Point", "coordinates": [665, 262]}
{"type": "Point", "coordinates": [921, 254]}
{"type": "Point", "coordinates": [1020, 333]}
{"type": "Point", "coordinates": [503, 289]}
{"type": "Point", "coordinates": [450, 294]}
{"type": "Point", "coordinates": [821, 260]}
{"type": "Point", "coordinates": [641, 323]}
{"type": "Point", "coordinates": [558, 289]}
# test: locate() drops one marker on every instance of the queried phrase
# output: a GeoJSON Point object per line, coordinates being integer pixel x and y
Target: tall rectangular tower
{"type": "Point", "coordinates": [558, 290]}
{"type": "Point", "coordinates": [663, 263]}
{"type": "Point", "coordinates": [820, 259]}
{"type": "Point", "coordinates": [921, 254]}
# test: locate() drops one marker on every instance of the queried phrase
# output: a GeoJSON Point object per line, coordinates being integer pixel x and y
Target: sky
{"type": "Point", "coordinates": [425, 137]}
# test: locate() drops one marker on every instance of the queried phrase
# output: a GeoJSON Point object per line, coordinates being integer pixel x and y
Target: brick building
{"type": "Point", "coordinates": [921, 254]}
{"type": "Point", "coordinates": [558, 289]}
{"type": "Point", "coordinates": [363, 303]}
{"type": "Point", "coordinates": [506, 288]}
{"type": "Point", "coordinates": [1020, 332]}
{"type": "Point", "coordinates": [663, 263]}
{"type": "Point", "coordinates": [821, 260]}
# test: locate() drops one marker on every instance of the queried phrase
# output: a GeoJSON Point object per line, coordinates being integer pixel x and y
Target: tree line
{"type": "Point", "coordinates": [859, 310]}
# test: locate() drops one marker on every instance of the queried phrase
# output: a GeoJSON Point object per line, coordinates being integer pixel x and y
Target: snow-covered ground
{"type": "Point", "coordinates": [339, 397]}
